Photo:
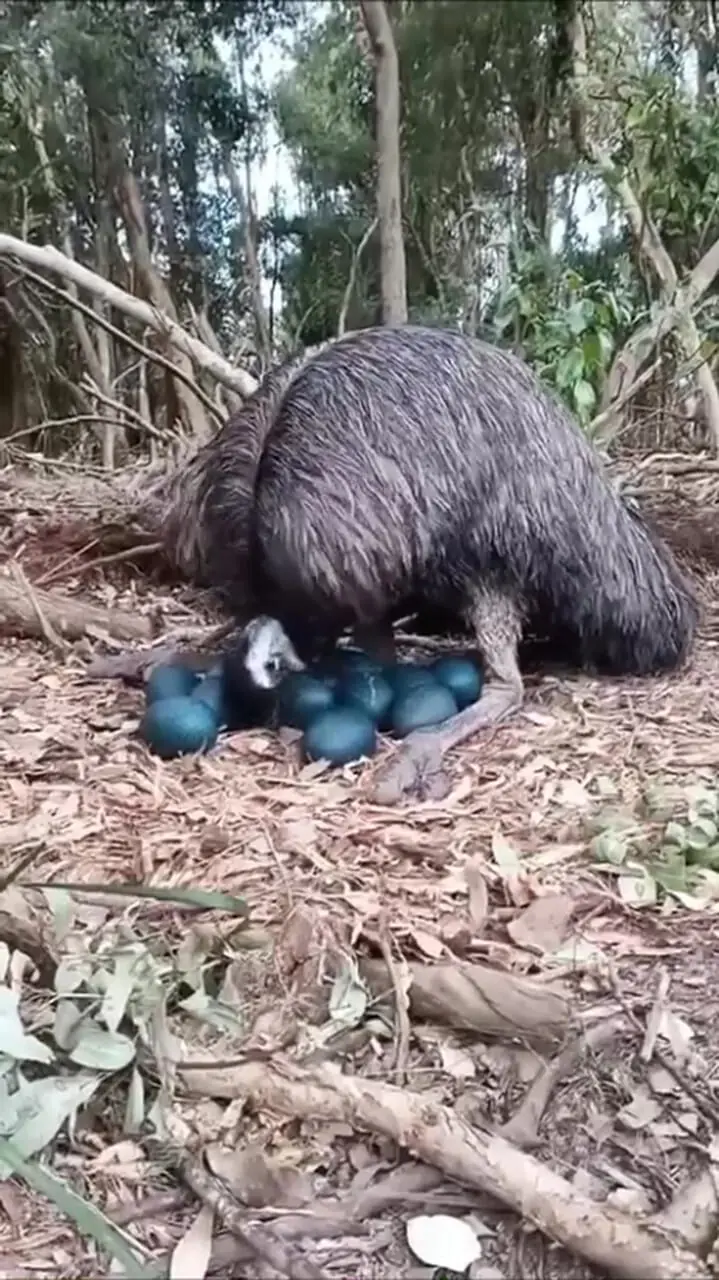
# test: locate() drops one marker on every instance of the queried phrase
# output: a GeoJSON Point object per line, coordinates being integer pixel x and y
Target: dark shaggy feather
{"type": "Point", "coordinates": [405, 464]}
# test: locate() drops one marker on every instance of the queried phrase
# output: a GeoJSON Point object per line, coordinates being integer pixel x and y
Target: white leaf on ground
{"type": "Point", "coordinates": [191, 1255]}
{"type": "Point", "coordinates": [441, 1241]}
{"type": "Point", "coordinates": [119, 989]}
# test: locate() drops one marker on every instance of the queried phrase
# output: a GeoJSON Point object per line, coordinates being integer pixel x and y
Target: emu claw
{"type": "Point", "coordinates": [417, 771]}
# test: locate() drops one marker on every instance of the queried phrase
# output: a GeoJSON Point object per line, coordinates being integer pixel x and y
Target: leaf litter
{"type": "Point", "coordinates": [227, 908]}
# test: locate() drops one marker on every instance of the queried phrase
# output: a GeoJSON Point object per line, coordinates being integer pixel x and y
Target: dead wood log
{"type": "Point", "coordinates": [475, 997]}
{"type": "Point", "coordinates": [28, 611]}
{"type": "Point", "coordinates": [601, 1234]}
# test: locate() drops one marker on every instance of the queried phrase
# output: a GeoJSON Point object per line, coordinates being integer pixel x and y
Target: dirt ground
{"type": "Point", "coordinates": [503, 873]}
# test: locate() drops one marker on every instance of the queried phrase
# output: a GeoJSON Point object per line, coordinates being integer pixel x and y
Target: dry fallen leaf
{"type": "Point", "coordinates": [456, 1062]}
{"type": "Point", "coordinates": [478, 895]}
{"type": "Point", "coordinates": [640, 1112]}
{"type": "Point", "coordinates": [542, 926]}
{"type": "Point", "coordinates": [191, 1255]}
{"type": "Point", "coordinates": [258, 1180]}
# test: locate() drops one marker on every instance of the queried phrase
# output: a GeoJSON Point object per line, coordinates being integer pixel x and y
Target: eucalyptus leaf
{"type": "Point", "coordinates": [43, 1107]}
{"type": "Point", "coordinates": [610, 846]}
{"type": "Point", "coordinates": [135, 1104]}
{"type": "Point", "coordinates": [675, 833]}
{"type": "Point", "coordinates": [101, 1050]}
{"type": "Point", "coordinates": [118, 989]}
{"type": "Point", "coordinates": [348, 997]}
{"type": "Point", "coordinates": [70, 974]}
{"type": "Point", "coordinates": [87, 1218]}
{"type": "Point", "coordinates": [701, 834]}
{"type": "Point", "coordinates": [201, 899]}
{"type": "Point", "coordinates": [14, 1040]}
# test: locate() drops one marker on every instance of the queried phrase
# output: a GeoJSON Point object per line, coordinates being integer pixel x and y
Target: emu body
{"type": "Point", "coordinates": [419, 464]}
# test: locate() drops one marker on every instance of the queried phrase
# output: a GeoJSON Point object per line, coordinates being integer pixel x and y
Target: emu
{"type": "Point", "coordinates": [420, 464]}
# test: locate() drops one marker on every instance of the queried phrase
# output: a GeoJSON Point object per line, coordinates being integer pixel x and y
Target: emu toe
{"type": "Point", "coordinates": [416, 771]}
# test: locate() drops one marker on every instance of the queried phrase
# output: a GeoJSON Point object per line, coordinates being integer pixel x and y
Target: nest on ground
{"type": "Point", "coordinates": [418, 903]}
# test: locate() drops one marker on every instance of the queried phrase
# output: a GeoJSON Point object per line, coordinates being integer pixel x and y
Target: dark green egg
{"type": "Point", "coordinates": [211, 691]}
{"type": "Point", "coordinates": [178, 727]}
{"type": "Point", "coordinates": [347, 661]}
{"type": "Point", "coordinates": [368, 692]}
{"type": "Point", "coordinates": [404, 676]}
{"type": "Point", "coordinates": [421, 707]}
{"type": "Point", "coordinates": [327, 670]}
{"type": "Point", "coordinates": [169, 680]}
{"type": "Point", "coordinates": [301, 698]}
{"type": "Point", "coordinates": [340, 735]}
{"type": "Point", "coordinates": [461, 676]}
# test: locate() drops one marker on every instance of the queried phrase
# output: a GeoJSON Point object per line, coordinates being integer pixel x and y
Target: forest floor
{"type": "Point", "coordinates": [544, 862]}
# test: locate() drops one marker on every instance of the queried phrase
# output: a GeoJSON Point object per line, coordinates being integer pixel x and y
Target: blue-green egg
{"type": "Point", "coordinates": [404, 676]}
{"type": "Point", "coordinates": [340, 735]}
{"type": "Point", "coordinates": [178, 727]}
{"type": "Point", "coordinates": [461, 676]}
{"type": "Point", "coordinates": [169, 680]}
{"type": "Point", "coordinates": [327, 670]}
{"type": "Point", "coordinates": [422, 707]}
{"type": "Point", "coordinates": [368, 691]}
{"type": "Point", "coordinates": [301, 698]}
{"type": "Point", "coordinates": [213, 693]}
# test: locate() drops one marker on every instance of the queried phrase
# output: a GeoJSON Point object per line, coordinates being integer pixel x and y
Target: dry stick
{"type": "Point", "coordinates": [600, 1233]}
{"type": "Point", "coordinates": [401, 1000]}
{"type": "Point", "coordinates": [523, 1127]}
{"type": "Point", "coordinates": [115, 557]}
{"type": "Point", "coordinates": [72, 619]}
{"type": "Point", "coordinates": [259, 1239]}
{"type": "Point", "coordinates": [147, 352]}
{"type": "Point", "coordinates": [44, 624]}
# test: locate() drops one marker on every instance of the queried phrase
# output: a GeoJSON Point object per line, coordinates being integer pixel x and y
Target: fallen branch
{"type": "Point", "coordinates": [599, 1233]}
{"type": "Point", "coordinates": [478, 998]}
{"type": "Point", "coordinates": [47, 258]}
{"type": "Point", "coordinates": [523, 1127]}
{"type": "Point", "coordinates": [32, 613]}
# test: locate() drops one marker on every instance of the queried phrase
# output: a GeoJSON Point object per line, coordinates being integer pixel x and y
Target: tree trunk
{"type": "Point", "coordinates": [393, 271]}
{"type": "Point", "coordinates": [243, 200]}
{"type": "Point", "coordinates": [192, 412]}
{"type": "Point", "coordinates": [12, 402]}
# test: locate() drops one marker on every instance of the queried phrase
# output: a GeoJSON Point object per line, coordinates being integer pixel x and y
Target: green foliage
{"type": "Point", "coordinates": [566, 325]}
{"type": "Point", "coordinates": [677, 857]}
{"type": "Point", "coordinates": [673, 150]}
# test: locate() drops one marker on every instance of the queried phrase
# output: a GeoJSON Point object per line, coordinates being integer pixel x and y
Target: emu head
{"type": "Point", "coordinates": [268, 654]}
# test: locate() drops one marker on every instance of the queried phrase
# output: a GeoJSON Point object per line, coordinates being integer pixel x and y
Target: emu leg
{"type": "Point", "coordinates": [418, 767]}
{"type": "Point", "coordinates": [377, 640]}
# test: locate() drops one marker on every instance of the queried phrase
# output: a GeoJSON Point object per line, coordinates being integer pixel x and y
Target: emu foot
{"type": "Point", "coordinates": [417, 770]}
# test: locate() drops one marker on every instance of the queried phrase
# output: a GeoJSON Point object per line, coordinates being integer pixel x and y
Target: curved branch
{"type": "Point", "coordinates": [47, 258]}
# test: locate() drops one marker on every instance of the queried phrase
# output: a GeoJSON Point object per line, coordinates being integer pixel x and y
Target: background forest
{"type": "Point", "coordinates": [560, 193]}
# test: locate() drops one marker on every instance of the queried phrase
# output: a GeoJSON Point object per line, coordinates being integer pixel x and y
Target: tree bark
{"type": "Point", "coordinates": [393, 270]}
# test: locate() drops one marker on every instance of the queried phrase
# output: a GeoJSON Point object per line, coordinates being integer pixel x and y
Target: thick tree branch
{"type": "Point", "coordinates": [47, 258]}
